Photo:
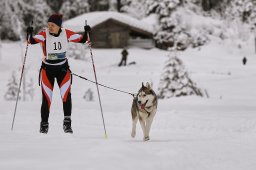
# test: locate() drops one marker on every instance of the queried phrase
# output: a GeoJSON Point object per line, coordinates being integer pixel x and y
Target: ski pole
{"type": "Point", "coordinates": [96, 81]}
{"type": "Point", "coordinates": [22, 71]}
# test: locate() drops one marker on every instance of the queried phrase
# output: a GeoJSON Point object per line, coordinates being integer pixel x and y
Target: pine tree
{"type": "Point", "coordinates": [13, 87]}
{"type": "Point", "coordinates": [41, 12]}
{"type": "Point", "coordinates": [170, 33]}
{"type": "Point", "coordinates": [173, 32]}
{"type": "Point", "coordinates": [99, 5]}
{"type": "Point", "coordinates": [240, 15]}
{"type": "Point", "coordinates": [175, 80]}
{"type": "Point", "coordinates": [5, 24]}
{"type": "Point", "coordinates": [77, 51]}
{"type": "Point", "coordinates": [30, 89]}
{"type": "Point", "coordinates": [207, 5]}
{"type": "Point", "coordinates": [17, 16]}
{"type": "Point", "coordinates": [88, 96]}
{"type": "Point", "coordinates": [73, 8]}
{"type": "Point", "coordinates": [241, 9]}
{"type": "Point", "coordinates": [55, 5]}
{"type": "Point", "coordinates": [136, 9]}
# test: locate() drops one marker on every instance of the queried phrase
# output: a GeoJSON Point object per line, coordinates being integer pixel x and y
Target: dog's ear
{"type": "Point", "coordinates": [148, 85]}
{"type": "Point", "coordinates": [143, 85]}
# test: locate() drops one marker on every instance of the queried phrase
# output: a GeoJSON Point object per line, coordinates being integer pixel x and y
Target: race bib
{"type": "Point", "coordinates": [56, 47]}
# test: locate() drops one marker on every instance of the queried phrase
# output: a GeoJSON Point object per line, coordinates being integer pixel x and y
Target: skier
{"type": "Point", "coordinates": [54, 41]}
{"type": "Point", "coordinates": [124, 57]}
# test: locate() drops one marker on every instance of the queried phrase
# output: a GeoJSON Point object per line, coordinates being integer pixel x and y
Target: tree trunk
{"type": "Point", "coordinates": [206, 4]}
{"type": "Point", "coordinates": [118, 5]}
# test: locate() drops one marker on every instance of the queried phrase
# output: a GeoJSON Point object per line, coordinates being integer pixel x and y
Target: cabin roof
{"type": "Point", "coordinates": [96, 18]}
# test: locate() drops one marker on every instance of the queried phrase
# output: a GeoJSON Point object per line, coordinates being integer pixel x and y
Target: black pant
{"type": "Point", "coordinates": [123, 61]}
{"type": "Point", "coordinates": [63, 76]}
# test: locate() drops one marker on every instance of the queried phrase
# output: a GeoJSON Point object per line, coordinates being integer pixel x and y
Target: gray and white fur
{"type": "Point", "coordinates": [144, 108]}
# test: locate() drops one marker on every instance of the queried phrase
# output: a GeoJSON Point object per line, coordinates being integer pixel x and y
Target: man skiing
{"type": "Point", "coordinates": [54, 41]}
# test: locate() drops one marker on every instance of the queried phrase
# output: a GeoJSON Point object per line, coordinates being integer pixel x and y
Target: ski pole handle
{"type": "Point", "coordinates": [85, 24]}
{"type": "Point", "coordinates": [30, 30]}
{"type": "Point", "coordinates": [87, 29]}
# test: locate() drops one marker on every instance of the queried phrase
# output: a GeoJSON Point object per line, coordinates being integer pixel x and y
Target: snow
{"type": "Point", "coordinates": [96, 18]}
{"type": "Point", "coordinates": [153, 20]}
{"type": "Point", "coordinates": [188, 133]}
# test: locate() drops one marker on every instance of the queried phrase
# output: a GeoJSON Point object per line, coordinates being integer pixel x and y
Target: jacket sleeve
{"type": "Point", "coordinates": [39, 38]}
{"type": "Point", "coordinates": [75, 37]}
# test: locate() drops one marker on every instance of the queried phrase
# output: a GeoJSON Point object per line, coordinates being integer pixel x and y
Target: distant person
{"type": "Point", "coordinates": [54, 40]}
{"type": "Point", "coordinates": [124, 57]}
{"type": "Point", "coordinates": [244, 60]}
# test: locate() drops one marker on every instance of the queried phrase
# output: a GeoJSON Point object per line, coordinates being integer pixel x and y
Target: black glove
{"type": "Point", "coordinates": [29, 31]}
{"type": "Point", "coordinates": [87, 28]}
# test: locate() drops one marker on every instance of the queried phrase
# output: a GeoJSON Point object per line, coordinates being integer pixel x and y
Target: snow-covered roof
{"type": "Point", "coordinates": [96, 18]}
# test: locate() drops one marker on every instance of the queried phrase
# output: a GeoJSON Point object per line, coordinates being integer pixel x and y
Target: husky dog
{"type": "Point", "coordinates": [144, 108]}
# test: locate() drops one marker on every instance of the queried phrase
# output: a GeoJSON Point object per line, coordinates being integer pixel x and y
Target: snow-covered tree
{"type": "Point", "coordinates": [99, 5]}
{"type": "Point", "coordinates": [13, 87]}
{"type": "Point", "coordinates": [136, 9]}
{"type": "Point", "coordinates": [173, 32]}
{"type": "Point", "coordinates": [17, 16]}
{"type": "Point", "coordinates": [175, 81]}
{"type": "Point", "coordinates": [41, 12]}
{"type": "Point", "coordinates": [162, 7]}
{"type": "Point", "coordinates": [55, 5]}
{"type": "Point", "coordinates": [30, 89]}
{"type": "Point", "coordinates": [245, 10]}
{"type": "Point", "coordinates": [240, 16]}
{"type": "Point", "coordinates": [212, 4]}
{"type": "Point", "coordinates": [88, 95]}
{"type": "Point", "coordinates": [73, 8]}
{"type": "Point", "coordinates": [77, 51]}
{"type": "Point", "coordinates": [11, 25]}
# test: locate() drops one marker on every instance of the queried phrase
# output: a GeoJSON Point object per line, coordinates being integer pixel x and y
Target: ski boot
{"type": "Point", "coordinates": [44, 126]}
{"type": "Point", "coordinates": [67, 125]}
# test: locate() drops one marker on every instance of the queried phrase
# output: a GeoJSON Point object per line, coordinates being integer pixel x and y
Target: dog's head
{"type": "Point", "coordinates": [146, 96]}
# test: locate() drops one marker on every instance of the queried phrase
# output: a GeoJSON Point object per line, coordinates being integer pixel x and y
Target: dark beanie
{"type": "Point", "coordinates": [56, 19]}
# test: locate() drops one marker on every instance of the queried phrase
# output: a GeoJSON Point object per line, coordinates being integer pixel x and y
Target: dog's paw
{"type": "Point", "coordinates": [146, 138]}
{"type": "Point", "coordinates": [133, 134]}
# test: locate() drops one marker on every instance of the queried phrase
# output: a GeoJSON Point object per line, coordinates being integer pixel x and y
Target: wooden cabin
{"type": "Point", "coordinates": [114, 30]}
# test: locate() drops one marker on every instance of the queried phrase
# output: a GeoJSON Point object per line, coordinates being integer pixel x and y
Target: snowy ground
{"type": "Point", "coordinates": [188, 133]}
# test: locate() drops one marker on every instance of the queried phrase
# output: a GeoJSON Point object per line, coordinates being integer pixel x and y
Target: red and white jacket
{"type": "Point", "coordinates": [55, 45]}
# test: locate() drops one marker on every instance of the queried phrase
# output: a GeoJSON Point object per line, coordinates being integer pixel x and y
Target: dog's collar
{"type": "Point", "coordinates": [148, 107]}
{"type": "Point", "coordinates": [148, 112]}
{"type": "Point", "coordinates": [145, 109]}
